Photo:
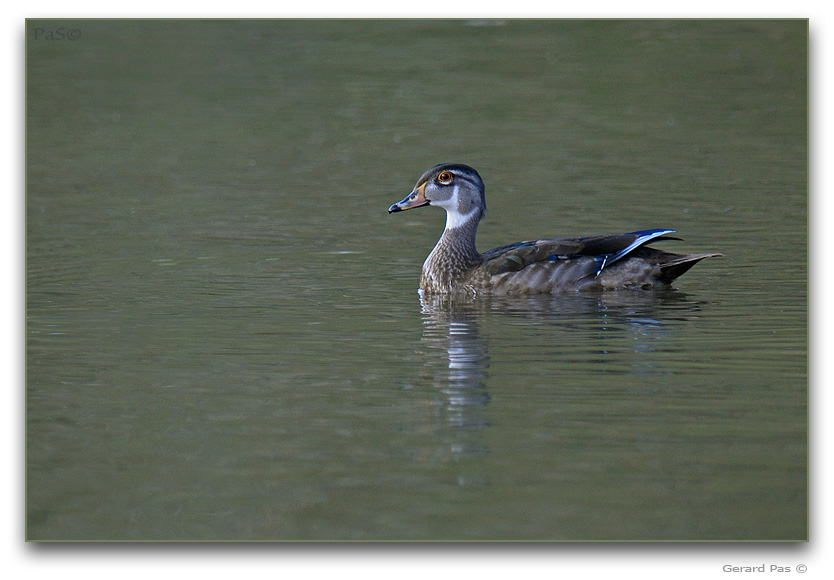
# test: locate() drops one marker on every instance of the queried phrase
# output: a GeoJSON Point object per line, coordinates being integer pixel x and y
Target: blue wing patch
{"type": "Point", "coordinates": [643, 237]}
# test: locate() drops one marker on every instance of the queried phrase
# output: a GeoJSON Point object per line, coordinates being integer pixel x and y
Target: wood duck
{"type": "Point", "coordinates": [555, 265]}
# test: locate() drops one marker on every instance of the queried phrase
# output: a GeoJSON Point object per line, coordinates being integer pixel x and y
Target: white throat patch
{"type": "Point", "coordinates": [455, 219]}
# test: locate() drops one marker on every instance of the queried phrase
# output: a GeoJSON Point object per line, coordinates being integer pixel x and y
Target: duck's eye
{"type": "Point", "coordinates": [445, 177]}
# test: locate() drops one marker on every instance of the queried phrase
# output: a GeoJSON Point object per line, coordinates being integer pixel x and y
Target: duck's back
{"type": "Point", "coordinates": [561, 265]}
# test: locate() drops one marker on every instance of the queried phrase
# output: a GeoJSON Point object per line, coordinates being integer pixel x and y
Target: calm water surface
{"type": "Point", "coordinates": [224, 338]}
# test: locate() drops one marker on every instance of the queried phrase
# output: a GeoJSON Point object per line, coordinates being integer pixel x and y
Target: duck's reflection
{"type": "Point", "coordinates": [456, 362]}
{"type": "Point", "coordinates": [628, 333]}
{"type": "Point", "coordinates": [451, 337]}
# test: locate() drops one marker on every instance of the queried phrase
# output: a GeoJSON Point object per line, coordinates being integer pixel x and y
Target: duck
{"type": "Point", "coordinates": [546, 266]}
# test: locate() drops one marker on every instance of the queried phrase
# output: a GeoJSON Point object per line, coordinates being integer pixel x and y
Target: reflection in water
{"type": "Point", "coordinates": [451, 335]}
{"type": "Point", "coordinates": [622, 332]}
{"type": "Point", "coordinates": [457, 362]}
{"type": "Point", "coordinates": [627, 330]}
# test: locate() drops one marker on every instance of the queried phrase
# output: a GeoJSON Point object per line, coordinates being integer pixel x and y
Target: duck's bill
{"type": "Point", "coordinates": [416, 198]}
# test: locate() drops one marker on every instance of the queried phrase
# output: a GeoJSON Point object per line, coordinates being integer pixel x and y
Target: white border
{"type": "Point", "coordinates": [205, 561]}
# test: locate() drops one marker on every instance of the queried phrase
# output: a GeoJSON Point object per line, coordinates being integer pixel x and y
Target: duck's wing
{"type": "Point", "coordinates": [606, 250]}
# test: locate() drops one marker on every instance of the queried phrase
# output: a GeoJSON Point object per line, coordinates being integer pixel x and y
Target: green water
{"type": "Point", "coordinates": [224, 338]}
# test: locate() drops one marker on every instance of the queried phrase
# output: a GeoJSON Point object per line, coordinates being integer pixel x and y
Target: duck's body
{"type": "Point", "coordinates": [555, 265]}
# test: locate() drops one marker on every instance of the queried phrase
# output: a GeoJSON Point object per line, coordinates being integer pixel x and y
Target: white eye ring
{"type": "Point", "coordinates": [445, 177]}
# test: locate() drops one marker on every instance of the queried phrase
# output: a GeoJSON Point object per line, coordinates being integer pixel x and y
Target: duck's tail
{"type": "Point", "coordinates": [679, 264]}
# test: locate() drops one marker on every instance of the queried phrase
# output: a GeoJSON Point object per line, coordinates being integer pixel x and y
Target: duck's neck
{"type": "Point", "coordinates": [454, 256]}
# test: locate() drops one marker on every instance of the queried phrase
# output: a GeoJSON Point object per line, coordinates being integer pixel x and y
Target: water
{"type": "Point", "coordinates": [224, 338]}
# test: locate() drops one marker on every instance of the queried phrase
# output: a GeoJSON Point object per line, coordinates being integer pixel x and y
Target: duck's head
{"type": "Point", "coordinates": [455, 187]}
